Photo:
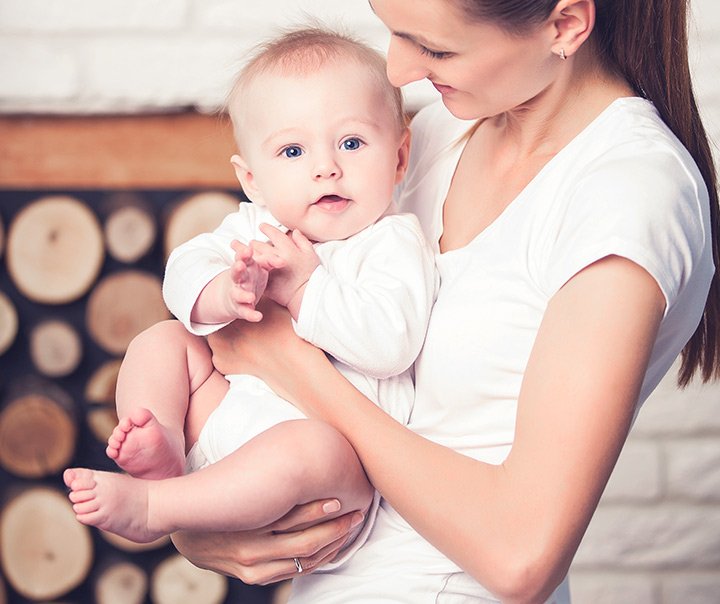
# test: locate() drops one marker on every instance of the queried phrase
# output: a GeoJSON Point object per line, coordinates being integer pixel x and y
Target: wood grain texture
{"type": "Point", "coordinates": [185, 150]}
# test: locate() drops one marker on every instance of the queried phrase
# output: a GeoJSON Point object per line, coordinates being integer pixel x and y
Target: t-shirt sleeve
{"type": "Point", "coordinates": [646, 211]}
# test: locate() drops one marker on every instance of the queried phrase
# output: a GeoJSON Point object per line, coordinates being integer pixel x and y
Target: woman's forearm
{"type": "Point", "coordinates": [515, 526]}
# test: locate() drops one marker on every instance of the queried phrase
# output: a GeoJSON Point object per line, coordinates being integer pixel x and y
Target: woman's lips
{"type": "Point", "coordinates": [442, 89]}
{"type": "Point", "coordinates": [332, 203]}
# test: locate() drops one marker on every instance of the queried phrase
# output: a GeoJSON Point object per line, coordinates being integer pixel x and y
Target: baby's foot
{"type": "Point", "coordinates": [144, 448]}
{"type": "Point", "coordinates": [112, 502]}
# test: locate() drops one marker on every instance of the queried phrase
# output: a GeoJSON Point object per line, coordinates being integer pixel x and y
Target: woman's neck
{"type": "Point", "coordinates": [548, 122]}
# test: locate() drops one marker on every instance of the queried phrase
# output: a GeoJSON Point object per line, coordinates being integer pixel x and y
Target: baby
{"type": "Point", "coordinates": [322, 141]}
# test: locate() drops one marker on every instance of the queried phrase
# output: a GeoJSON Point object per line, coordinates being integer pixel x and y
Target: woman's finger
{"type": "Point", "coordinates": [309, 541]}
{"type": "Point", "coordinates": [304, 515]}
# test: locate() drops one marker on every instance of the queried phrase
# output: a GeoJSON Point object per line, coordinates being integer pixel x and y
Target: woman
{"type": "Point", "coordinates": [576, 239]}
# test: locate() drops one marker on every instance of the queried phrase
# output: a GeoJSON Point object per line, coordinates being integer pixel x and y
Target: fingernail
{"type": "Point", "coordinates": [331, 506]}
{"type": "Point", "coordinates": [356, 519]}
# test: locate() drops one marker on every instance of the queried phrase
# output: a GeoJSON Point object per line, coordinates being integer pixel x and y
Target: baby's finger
{"type": "Point", "coordinates": [242, 251]}
{"type": "Point", "coordinates": [301, 241]}
{"type": "Point", "coordinates": [266, 255]}
{"type": "Point", "coordinates": [279, 239]}
{"type": "Point", "coordinates": [248, 313]}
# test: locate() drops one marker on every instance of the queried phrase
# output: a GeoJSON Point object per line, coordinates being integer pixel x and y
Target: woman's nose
{"type": "Point", "coordinates": [404, 64]}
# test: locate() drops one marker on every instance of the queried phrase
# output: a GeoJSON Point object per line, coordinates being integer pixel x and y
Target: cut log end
{"type": "Point", "coordinates": [176, 580]}
{"type": "Point", "coordinates": [130, 232]}
{"type": "Point", "coordinates": [100, 388]}
{"type": "Point", "coordinates": [196, 214]}
{"type": "Point", "coordinates": [55, 250]}
{"type": "Point", "coordinates": [121, 583]}
{"type": "Point", "coordinates": [8, 323]}
{"type": "Point", "coordinates": [45, 552]}
{"type": "Point", "coordinates": [38, 432]}
{"type": "Point", "coordinates": [55, 348]}
{"type": "Point", "coordinates": [121, 306]}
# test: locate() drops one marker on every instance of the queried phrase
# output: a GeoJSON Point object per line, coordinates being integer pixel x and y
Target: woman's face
{"type": "Point", "coordinates": [479, 69]}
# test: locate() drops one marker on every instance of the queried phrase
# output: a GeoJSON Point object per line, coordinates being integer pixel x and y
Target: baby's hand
{"type": "Point", "coordinates": [247, 283]}
{"type": "Point", "coordinates": [291, 258]}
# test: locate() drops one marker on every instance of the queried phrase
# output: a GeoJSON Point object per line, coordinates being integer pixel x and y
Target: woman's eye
{"type": "Point", "coordinates": [434, 54]}
{"type": "Point", "coordinates": [292, 151]}
{"type": "Point", "coordinates": [352, 144]}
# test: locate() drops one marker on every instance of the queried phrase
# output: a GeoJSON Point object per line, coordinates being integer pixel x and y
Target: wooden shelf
{"type": "Point", "coordinates": [184, 150]}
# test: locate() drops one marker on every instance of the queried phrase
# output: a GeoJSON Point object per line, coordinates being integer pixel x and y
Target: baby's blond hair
{"type": "Point", "coordinates": [304, 50]}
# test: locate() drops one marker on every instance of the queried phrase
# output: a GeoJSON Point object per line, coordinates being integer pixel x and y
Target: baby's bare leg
{"type": "Point", "coordinates": [292, 463]}
{"type": "Point", "coordinates": [165, 368]}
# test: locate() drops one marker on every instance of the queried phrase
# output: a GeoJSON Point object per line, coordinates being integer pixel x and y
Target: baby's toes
{"type": "Point", "coordinates": [86, 507]}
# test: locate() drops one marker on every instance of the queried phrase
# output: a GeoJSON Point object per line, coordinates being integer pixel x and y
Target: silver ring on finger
{"type": "Point", "coordinates": [298, 565]}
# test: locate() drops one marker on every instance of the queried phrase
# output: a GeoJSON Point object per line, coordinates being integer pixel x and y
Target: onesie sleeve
{"type": "Point", "coordinates": [370, 310]}
{"type": "Point", "coordinates": [193, 264]}
{"type": "Point", "coordinates": [649, 210]}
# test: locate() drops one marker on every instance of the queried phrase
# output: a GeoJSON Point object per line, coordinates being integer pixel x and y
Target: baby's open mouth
{"type": "Point", "coordinates": [332, 202]}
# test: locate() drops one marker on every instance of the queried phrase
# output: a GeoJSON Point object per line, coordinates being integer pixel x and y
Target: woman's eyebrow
{"type": "Point", "coordinates": [418, 40]}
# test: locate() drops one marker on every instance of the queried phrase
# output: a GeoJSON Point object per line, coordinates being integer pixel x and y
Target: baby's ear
{"type": "Point", "coordinates": [247, 180]}
{"type": "Point", "coordinates": [403, 155]}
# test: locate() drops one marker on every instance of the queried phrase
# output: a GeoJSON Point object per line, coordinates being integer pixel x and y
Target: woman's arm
{"type": "Point", "coordinates": [515, 527]}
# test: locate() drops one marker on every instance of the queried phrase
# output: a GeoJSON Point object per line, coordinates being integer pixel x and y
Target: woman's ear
{"type": "Point", "coordinates": [247, 180]}
{"type": "Point", "coordinates": [573, 21]}
{"type": "Point", "coordinates": [403, 155]}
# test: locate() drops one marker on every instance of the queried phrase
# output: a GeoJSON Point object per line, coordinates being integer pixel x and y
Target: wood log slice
{"type": "Point", "coordinates": [100, 388]}
{"type": "Point", "coordinates": [8, 323]}
{"type": "Point", "coordinates": [121, 583]}
{"type": "Point", "coordinates": [196, 214]}
{"type": "Point", "coordinates": [177, 581]}
{"type": "Point", "coordinates": [102, 421]}
{"type": "Point", "coordinates": [55, 250]}
{"type": "Point", "coordinates": [44, 551]}
{"type": "Point", "coordinates": [281, 593]}
{"type": "Point", "coordinates": [131, 547]}
{"type": "Point", "coordinates": [55, 348]}
{"type": "Point", "coordinates": [38, 430]}
{"type": "Point", "coordinates": [130, 232]}
{"type": "Point", "coordinates": [121, 306]}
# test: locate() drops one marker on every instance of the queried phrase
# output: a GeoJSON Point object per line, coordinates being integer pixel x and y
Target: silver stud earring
{"type": "Point", "coordinates": [562, 54]}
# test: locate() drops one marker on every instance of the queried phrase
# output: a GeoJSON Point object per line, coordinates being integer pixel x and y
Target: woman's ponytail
{"type": "Point", "coordinates": [646, 42]}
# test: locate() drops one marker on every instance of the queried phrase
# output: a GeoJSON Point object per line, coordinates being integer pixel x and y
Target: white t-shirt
{"type": "Point", "coordinates": [623, 186]}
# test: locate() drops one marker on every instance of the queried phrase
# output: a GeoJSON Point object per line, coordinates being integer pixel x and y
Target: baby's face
{"type": "Point", "coordinates": [321, 150]}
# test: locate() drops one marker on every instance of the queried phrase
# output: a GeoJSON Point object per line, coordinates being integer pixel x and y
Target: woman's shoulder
{"type": "Point", "coordinates": [631, 132]}
{"type": "Point", "coordinates": [630, 157]}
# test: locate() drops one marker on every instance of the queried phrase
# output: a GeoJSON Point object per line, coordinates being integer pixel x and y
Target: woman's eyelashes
{"type": "Point", "coordinates": [434, 54]}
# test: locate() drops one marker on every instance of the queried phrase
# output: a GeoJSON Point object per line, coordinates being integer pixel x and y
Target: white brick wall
{"type": "Point", "coordinates": [656, 537]}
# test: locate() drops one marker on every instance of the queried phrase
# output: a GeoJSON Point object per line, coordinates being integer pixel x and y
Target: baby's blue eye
{"type": "Point", "coordinates": [292, 151]}
{"type": "Point", "coordinates": [352, 144]}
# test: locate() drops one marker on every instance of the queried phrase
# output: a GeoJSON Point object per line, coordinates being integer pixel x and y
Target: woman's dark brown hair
{"type": "Point", "coordinates": [646, 42]}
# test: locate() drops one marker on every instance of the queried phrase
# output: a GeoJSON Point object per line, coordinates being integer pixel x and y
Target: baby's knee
{"type": "Point", "coordinates": [158, 336]}
{"type": "Point", "coordinates": [329, 455]}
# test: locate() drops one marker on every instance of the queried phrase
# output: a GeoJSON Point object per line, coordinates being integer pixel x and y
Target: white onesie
{"type": "Point", "coordinates": [367, 305]}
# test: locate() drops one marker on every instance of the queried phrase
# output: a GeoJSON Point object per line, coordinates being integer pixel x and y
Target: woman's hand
{"type": "Point", "coordinates": [270, 350]}
{"type": "Point", "coordinates": [266, 555]}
